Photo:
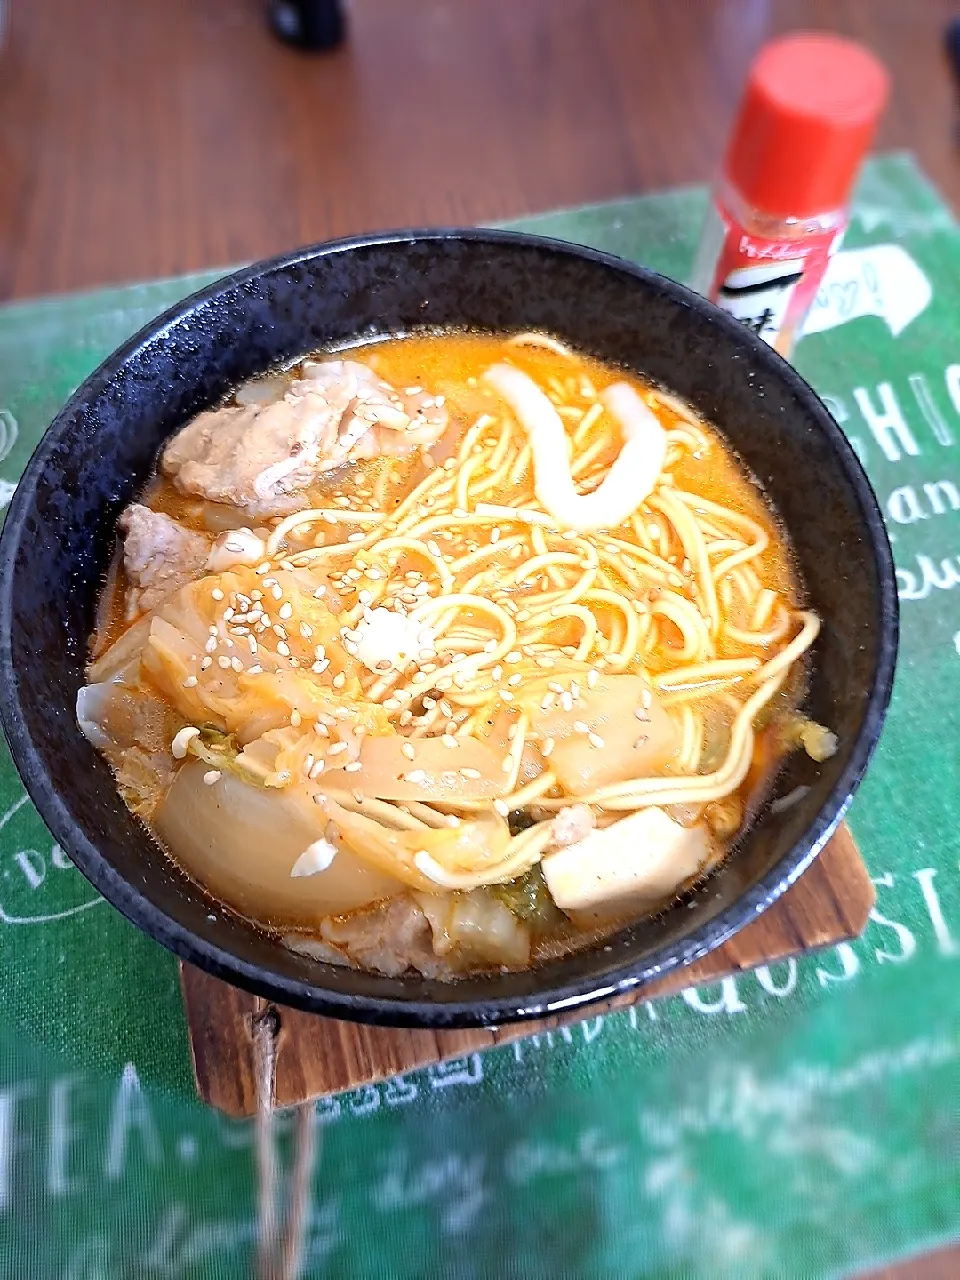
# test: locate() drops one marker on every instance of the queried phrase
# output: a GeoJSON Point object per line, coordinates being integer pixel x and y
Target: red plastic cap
{"type": "Point", "coordinates": [807, 118]}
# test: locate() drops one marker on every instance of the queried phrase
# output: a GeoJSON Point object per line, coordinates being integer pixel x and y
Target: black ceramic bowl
{"type": "Point", "coordinates": [59, 535]}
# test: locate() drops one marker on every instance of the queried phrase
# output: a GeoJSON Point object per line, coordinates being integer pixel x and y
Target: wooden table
{"type": "Point", "coordinates": [148, 139]}
{"type": "Point", "coordinates": [145, 139]}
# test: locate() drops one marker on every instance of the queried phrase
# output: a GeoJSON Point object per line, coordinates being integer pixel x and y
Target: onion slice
{"type": "Point", "coordinates": [630, 480]}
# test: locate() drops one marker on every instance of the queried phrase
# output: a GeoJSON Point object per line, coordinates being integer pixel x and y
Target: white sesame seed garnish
{"type": "Point", "coordinates": [595, 740]}
{"type": "Point", "coordinates": [277, 592]}
{"type": "Point", "coordinates": [337, 748]}
{"type": "Point", "coordinates": [646, 698]}
{"type": "Point", "coordinates": [285, 611]}
{"type": "Point", "coordinates": [592, 678]}
{"type": "Point", "coordinates": [217, 594]}
{"type": "Point", "coordinates": [353, 767]}
{"type": "Point", "coordinates": [408, 750]}
{"type": "Point", "coordinates": [416, 776]}
{"type": "Point", "coordinates": [212, 776]}
{"type": "Point", "coordinates": [190, 682]}
{"type": "Point", "coordinates": [339, 681]}
{"type": "Point", "coordinates": [449, 740]}
{"type": "Point", "coordinates": [211, 645]}
{"type": "Point", "coordinates": [223, 661]}
{"type": "Point", "coordinates": [207, 662]}
{"type": "Point", "coordinates": [236, 664]}
{"type": "Point", "coordinates": [283, 649]}
{"type": "Point", "coordinates": [547, 749]}
{"type": "Point", "coordinates": [178, 748]}
{"type": "Point", "coordinates": [515, 680]}
{"type": "Point", "coordinates": [471, 774]}
{"type": "Point", "coordinates": [580, 726]}
{"type": "Point", "coordinates": [295, 718]}
{"type": "Point", "coordinates": [566, 700]}
{"type": "Point", "coordinates": [501, 807]}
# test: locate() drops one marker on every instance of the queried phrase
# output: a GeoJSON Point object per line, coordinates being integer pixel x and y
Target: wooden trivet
{"type": "Point", "coordinates": [318, 1056]}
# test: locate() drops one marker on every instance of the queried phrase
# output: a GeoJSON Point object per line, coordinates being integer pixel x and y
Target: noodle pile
{"type": "Point", "coordinates": [504, 599]}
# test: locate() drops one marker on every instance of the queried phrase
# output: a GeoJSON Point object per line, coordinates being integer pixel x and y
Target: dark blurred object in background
{"type": "Point", "coordinates": [308, 24]}
{"type": "Point", "coordinates": [952, 41]}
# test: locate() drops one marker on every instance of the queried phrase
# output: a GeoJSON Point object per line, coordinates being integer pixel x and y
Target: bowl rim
{"type": "Point", "coordinates": [487, 1010]}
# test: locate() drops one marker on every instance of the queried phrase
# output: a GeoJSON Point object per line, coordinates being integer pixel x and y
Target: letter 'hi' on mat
{"type": "Point", "coordinates": [317, 1056]}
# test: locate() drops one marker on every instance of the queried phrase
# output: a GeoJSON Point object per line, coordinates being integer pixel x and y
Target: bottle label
{"type": "Point", "coordinates": [768, 285]}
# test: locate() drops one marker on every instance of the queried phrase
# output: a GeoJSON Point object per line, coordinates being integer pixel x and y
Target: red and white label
{"type": "Point", "coordinates": [768, 285]}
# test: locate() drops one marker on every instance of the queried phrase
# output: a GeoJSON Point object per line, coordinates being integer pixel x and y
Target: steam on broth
{"type": "Point", "coordinates": [449, 653]}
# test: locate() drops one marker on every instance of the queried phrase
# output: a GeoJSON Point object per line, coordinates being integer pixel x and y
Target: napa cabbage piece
{"type": "Point", "coordinates": [468, 845]}
{"type": "Point", "coordinates": [439, 937]}
{"type": "Point", "coordinates": [634, 737]}
{"type": "Point", "coordinates": [241, 842]}
{"type": "Point", "coordinates": [258, 692]}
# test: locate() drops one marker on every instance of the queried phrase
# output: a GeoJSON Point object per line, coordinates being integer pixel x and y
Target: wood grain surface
{"type": "Point", "coordinates": [318, 1056]}
{"type": "Point", "coordinates": [150, 138]}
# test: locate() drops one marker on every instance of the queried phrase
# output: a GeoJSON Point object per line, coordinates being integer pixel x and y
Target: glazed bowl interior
{"type": "Point", "coordinates": [60, 533]}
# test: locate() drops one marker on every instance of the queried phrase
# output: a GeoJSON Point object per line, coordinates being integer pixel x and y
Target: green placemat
{"type": "Point", "coordinates": [802, 1120]}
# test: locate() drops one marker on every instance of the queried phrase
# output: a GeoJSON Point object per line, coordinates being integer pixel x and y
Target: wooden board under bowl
{"type": "Point", "coordinates": [317, 1056]}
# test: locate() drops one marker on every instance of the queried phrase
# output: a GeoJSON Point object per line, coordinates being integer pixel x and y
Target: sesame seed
{"type": "Point", "coordinates": [354, 767]}
{"type": "Point", "coordinates": [595, 740]}
{"type": "Point", "coordinates": [217, 593]}
{"type": "Point", "coordinates": [254, 670]}
{"type": "Point", "coordinates": [295, 718]}
{"type": "Point", "coordinates": [285, 611]}
{"type": "Point", "coordinates": [356, 537]}
{"type": "Point", "coordinates": [190, 682]}
{"type": "Point", "coordinates": [339, 681]}
{"type": "Point", "coordinates": [178, 748]}
{"type": "Point", "coordinates": [283, 649]}
{"type": "Point", "coordinates": [547, 749]}
{"type": "Point", "coordinates": [513, 656]}
{"type": "Point", "coordinates": [236, 664]}
{"type": "Point", "coordinates": [501, 807]}
{"type": "Point", "coordinates": [566, 701]}
{"type": "Point", "coordinates": [449, 740]}
{"type": "Point", "coordinates": [408, 750]}
{"type": "Point", "coordinates": [416, 776]}
{"type": "Point", "coordinates": [277, 592]}
{"type": "Point", "coordinates": [223, 661]}
{"type": "Point", "coordinates": [472, 774]}
{"type": "Point", "coordinates": [506, 695]}
{"type": "Point", "coordinates": [495, 533]}
{"type": "Point", "coordinates": [211, 644]}
{"type": "Point", "coordinates": [211, 777]}
{"type": "Point", "coordinates": [337, 748]}
{"type": "Point", "coordinates": [579, 726]}
{"type": "Point", "coordinates": [365, 597]}
{"type": "Point", "coordinates": [316, 768]}
{"type": "Point", "coordinates": [555, 687]}
{"type": "Point", "coordinates": [207, 662]}
{"type": "Point", "coordinates": [592, 678]}
{"type": "Point", "coordinates": [269, 582]}
{"type": "Point", "coordinates": [646, 698]}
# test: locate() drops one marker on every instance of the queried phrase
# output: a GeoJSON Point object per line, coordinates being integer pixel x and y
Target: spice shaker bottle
{"type": "Point", "coordinates": [779, 209]}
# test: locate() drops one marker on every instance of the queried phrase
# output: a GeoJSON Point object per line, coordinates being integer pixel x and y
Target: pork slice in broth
{"type": "Point", "coordinates": [159, 556]}
{"type": "Point", "coordinates": [263, 457]}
